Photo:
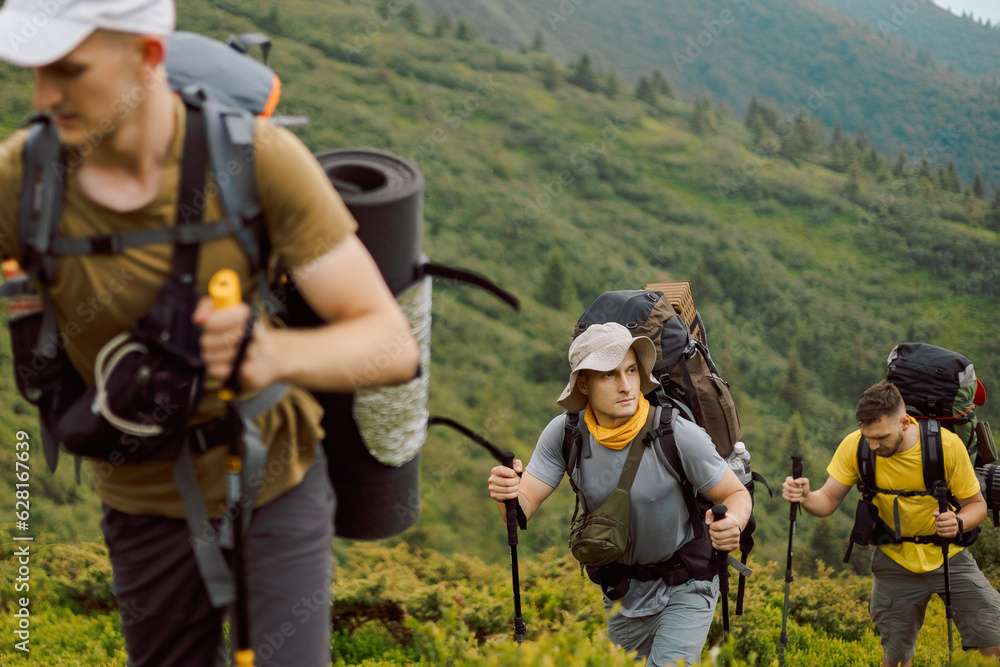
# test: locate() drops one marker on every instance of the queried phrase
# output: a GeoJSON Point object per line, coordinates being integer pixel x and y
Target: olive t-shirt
{"type": "Point", "coordinates": [97, 297]}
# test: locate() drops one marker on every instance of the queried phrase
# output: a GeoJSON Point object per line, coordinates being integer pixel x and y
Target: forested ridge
{"type": "Point", "coordinates": [810, 253]}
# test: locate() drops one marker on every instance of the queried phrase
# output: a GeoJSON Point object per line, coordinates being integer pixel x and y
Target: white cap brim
{"type": "Point", "coordinates": [26, 40]}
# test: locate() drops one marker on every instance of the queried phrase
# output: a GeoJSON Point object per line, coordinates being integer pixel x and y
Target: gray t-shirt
{"type": "Point", "coordinates": [660, 522]}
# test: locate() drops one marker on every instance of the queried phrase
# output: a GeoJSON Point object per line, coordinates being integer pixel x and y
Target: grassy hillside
{"type": "Point", "coordinates": [809, 261]}
{"type": "Point", "coordinates": [800, 54]}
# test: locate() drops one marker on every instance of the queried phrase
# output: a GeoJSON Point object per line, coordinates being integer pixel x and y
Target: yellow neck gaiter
{"type": "Point", "coordinates": [617, 438]}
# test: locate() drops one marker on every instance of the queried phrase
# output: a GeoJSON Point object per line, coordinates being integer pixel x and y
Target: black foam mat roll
{"type": "Point", "coordinates": [384, 193]}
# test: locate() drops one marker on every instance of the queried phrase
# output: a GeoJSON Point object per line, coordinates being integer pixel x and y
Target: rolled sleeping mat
{"type": "Point", "coordinates": [374, 436]}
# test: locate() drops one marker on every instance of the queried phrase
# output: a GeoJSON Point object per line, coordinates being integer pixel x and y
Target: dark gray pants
{"type": "Point", "coordinates": [166, 615]}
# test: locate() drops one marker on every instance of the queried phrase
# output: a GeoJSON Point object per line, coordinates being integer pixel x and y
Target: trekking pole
{"type": "Point", "coordinates": [796, 473]}
{"type": "Point", "coordinates": [506, 459]}
{"type": "Point", "coordinates": [941, 493]}
{"type": "Point", "coordinates": [722, 566]}
{"type": "Point", "coordinates": [224, 288]}
{"type": "Point", "coordinates": [511, 507]}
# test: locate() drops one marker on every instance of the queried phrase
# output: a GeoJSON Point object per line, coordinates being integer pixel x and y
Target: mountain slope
{"type": "Point", "coordinates": [780, 49]}
{"type": "Point", "coordinates": [971, 47]}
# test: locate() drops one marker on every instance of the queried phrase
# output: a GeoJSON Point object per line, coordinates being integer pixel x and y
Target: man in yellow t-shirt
{"type": "Point", "coordinates": [98, 69]}
{"type": "Point", "coordinates": [908, 573]}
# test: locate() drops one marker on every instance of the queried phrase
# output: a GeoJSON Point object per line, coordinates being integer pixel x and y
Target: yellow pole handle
{"type": "Point", "coordinates": [224, 288]}
{"type": "Point", "coordinates": [244, 658]}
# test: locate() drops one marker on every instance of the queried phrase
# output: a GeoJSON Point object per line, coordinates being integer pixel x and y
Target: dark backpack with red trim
{"type": "Point", "coordinates": [942, 384]}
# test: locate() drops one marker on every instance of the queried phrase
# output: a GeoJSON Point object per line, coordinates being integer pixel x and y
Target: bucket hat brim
{"type": "Point", "coordinates": [602, 347]}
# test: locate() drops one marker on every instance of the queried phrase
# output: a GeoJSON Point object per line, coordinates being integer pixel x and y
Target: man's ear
{"type": "Point", "coordinates": [581, 383]}
{"type": "Point", "coordinates": [152, 51]}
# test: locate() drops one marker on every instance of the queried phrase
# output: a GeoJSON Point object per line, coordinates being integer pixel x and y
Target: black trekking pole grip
{"type": "Point", "coordinates": [721, 557]}
{"type": "Point", "coordinates": [507, 461]}
{"type": "Point", "coordinates": [722, 567]}
{"type": "Point", "coordinates": [796, 473]}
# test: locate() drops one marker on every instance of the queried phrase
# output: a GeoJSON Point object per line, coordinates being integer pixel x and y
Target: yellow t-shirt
{"type": "Point", "coordinates": [904, 472]}
{"type": "Point", "coordinates": [97, 297]}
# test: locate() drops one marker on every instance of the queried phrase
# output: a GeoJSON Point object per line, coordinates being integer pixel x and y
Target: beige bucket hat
{"type": "Point", "coordinates": [602, 347]}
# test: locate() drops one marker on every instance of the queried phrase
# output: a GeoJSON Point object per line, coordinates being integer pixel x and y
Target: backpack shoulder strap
{"type": "Point", "coordinates": [571, 446]}
{"type": "Point", "coordinates": [664, 435]}
{"type": "Point", "coordinates": [932, 451]}
{"type": "Point", "coordinates": [44, 164]}
{"type": "Point", "coordinates": [230, 138]}
{"type": "Point", "coordinates": [572, 441]}
{"type": "Point", "coordinates": [866, 469]}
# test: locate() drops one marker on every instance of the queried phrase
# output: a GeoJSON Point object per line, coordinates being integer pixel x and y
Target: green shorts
{"type": "Point", "coordinates": [899, 600]}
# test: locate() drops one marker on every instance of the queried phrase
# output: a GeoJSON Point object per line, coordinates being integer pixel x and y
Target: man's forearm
{"type": "Point", "coordinates": [819, 503]}
{"type": "Point", "coordinates": [739, 505]}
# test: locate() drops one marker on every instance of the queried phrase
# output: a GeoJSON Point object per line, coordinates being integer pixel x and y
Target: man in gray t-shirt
{"type": "Point", "coordinates": [610, 373]}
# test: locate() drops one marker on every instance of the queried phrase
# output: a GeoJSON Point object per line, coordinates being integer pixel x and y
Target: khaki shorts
{"type": "Point", "coordinates": [676, 632]}
{"type": "Point", "coordinates": [899, 600]}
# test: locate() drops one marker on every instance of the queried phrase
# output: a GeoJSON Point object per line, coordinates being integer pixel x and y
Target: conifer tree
{"type": "Point", "coordinates": [612, 86]}
{"type": "Point", "coordinates": [465, 31]}
{"type": "Point", "coordinates": [899, 171]}
{"type": "Point", "coordinates": [827, 546]}
{"type": "Point", "coordinates": [583, 74]}
{"type": "Point", "coordinates": [954, 181]}
{"type": "Point", "coordinates": [978, 187]}
{"type": "Point", "coordinates": [925, 166]}
{"type": "Point", "coordinates": [551, 77]}
{"type": "Point", "coordinates": [838, 136]}
{"type": "Point", "coordinates": [410, 14]}
{"type": "Point", "coordinates": [993, 217]}
{"type": "Point", "coordinates": [794, 388]}
{"type": "Point", "coordinates": [555, 282]}
{"type": "Point", "coordinates": [442, 26]}
{"type": "Point", "coordinates": [538, 43]}
{"type": "Point", "coordinates": [861, 140]}
{"type": "Point", "coordinates": [751, 111]}
{"type": "Point", "coordinates": [661, 84]}
{"type": "Point", "coordinates": [793, 440]}
{"type": "Point", "coordinates": [272, 23]}
{"type": "Point", "coordinates": [702, 118]}
{"type": "Point", "coordinates": [644, 91]}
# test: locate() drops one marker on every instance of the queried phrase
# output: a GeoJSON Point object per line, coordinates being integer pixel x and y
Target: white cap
{"type": "Point", "coordinates": [739, 448]}
{"type": "Point", "coordinates": [35, 33]}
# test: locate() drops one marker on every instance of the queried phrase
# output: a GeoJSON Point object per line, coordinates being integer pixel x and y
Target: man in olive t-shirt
{"type": "Point", "coordinates": [87, 57]}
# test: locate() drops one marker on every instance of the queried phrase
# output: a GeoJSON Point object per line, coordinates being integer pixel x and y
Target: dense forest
{"type": "Point", "coordinates": [811, 253]}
